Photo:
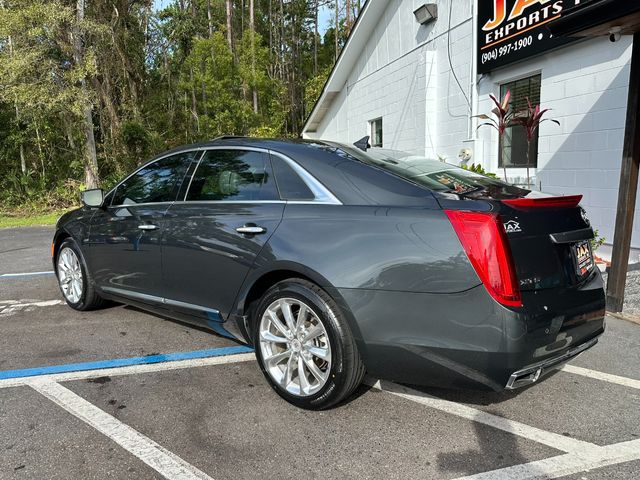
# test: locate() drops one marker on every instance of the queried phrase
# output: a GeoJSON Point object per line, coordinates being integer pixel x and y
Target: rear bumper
{"type": "Point", "coordinates": [467, 340]}
{"type": "Point", "coordinates": [533, 373]}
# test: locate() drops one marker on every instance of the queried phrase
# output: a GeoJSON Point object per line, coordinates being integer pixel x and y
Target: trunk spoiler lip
{"type": "Point", "coordinates": [569, 201]}
{"type": "Point", "coordinates": [572, 236]}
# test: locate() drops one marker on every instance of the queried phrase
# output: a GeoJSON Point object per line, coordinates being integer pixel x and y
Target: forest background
{"type": "Point", "coordinates": [89, 89]}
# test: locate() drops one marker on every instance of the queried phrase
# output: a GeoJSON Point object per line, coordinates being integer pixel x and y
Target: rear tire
{"type": "Point", "coordinates": [74, 279]}
{"type": "Point", "coordinates": [304, 346]}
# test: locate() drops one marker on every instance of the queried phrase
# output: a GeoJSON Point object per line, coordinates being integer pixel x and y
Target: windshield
{"type": "Point", "coordinates": [432, 174]}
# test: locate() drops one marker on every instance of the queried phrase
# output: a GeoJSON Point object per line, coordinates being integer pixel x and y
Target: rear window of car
{"type": "Point", "coordinates": [432, 174]}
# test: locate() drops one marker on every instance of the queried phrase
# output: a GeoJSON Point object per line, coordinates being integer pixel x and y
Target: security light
{"type": "Point", "coordinates": [426, 13]}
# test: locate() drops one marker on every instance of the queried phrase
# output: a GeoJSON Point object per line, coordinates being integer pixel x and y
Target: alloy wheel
{"type": "Point", "coordinates": [295, 347]}
{"type": "Point", "coordinates": [70, 275]}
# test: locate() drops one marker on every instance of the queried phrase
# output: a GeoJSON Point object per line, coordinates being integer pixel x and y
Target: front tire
{"type": "Point", "coordinates": [304, 345]}
{"type": "Point", "coordinates": [74, 279]}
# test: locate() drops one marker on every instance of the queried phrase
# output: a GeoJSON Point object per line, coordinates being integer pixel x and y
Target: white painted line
{"type": "Point", "coordinates": [554, 440]}
{"type": "Point", "coordinates": [157, 457]}
{"type": "Point", "coordinates": [606, 377]}
{"type": "Point", "coordinates": [28, 274]}
{"type": "Point", "coordinates": [41, 303]}
{"type": "Point", "coordinates": [560, 466]}
{"type": "Point", "coordinates": [9, 307]}
{"type": "Point", "coordinates": [132, 370]}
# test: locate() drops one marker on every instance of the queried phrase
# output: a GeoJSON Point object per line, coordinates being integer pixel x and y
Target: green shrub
{"type": "Point", "coordinates": [597, 240]}
{"type": "Point", "coordinates": [478, 169]}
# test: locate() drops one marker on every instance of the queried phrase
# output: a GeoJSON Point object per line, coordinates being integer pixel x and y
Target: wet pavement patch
{"type": "Point", "coordinates": [226, 421]}
{"type": "Point", "coordinates": [40, 440]}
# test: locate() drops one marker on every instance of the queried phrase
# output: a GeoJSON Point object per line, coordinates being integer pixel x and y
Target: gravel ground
{"type": "Point", "coordinates": [631, 294]}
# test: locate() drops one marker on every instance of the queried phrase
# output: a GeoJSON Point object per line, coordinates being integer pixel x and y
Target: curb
{"type": "Point", "coordinates": [629, 318]}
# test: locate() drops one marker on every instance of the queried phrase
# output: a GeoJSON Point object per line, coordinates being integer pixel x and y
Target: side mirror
{"type": "Point", "coordinates": [92, 198]}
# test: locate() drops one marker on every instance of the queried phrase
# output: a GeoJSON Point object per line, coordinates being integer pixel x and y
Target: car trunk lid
{"type": "Point", "coordinates": [549, 239]}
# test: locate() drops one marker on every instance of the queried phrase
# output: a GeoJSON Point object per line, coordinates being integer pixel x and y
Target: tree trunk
{"type": "Point", "coordinates": [230, 23]}
{"type": "Point", "coordinates": [315, 38]}
{"type": "Point", "coordinates": [348, 19]}
{"type": "Point", "coordinates": [252, 29]}
{"type": "Point", "coordinates": [241, 18]}
{"type": "Point", "coordinates": [281, 41]}
{"type": "Point", "coordinates": [270, 31]}
{"type": "Point", "coordinates": [23, 162]}
{"type": "Point", "coordinates": [209, 18]}
{"type": "Point", "coordinates": [337, 27]}
{"type": "Point", "coordinates": [203, 71]}
{"type": "Point", "coordinates": [91, 178]}
{"type": "Point", "coordinates": [194, 103]}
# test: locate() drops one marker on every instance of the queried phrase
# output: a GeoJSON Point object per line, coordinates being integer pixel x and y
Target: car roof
{"type": "Point", "coordinates": [351, 180]}
{"type": "Point", "coordinates": [231, 140]}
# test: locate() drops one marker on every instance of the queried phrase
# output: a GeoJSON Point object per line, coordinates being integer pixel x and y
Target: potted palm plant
{"type": "Point", "coordinates": [530, 119]}
{"type": "Point", "coordinates": [503, 118]}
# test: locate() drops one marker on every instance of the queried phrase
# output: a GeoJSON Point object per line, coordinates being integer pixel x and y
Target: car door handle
{"type": "Point", "coordinates": [251, 230]}
{"type": "Point", "coordinates": [147, 227]}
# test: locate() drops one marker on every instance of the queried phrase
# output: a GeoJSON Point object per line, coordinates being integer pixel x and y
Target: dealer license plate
{"type": "Point", "coordinates": [583, 258]}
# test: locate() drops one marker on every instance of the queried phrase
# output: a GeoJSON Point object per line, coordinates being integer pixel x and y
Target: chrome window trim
{"type": "Point", "coordinates": [321, 193]}
{"type": "Point", "coordinates": [145, 204]}
{"type": "Point", "coordinates": [151, 162]}
{"type": "Point", "coordinates": [196, 202]}
{"type": "Point", "coordinates": [310, 202]}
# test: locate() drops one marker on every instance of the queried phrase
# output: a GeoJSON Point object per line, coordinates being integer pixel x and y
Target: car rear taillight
{"type": "Point", "coordinates": [485, 242]}
{"type": "Point", "coordinates": [544, 202]}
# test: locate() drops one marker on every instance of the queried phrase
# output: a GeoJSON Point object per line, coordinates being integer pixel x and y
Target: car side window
{"type": "Point", "coordinates": [290, 185]}
{"type": "Point", "coordinates": [239, 175]}
{"type": "Point", "coordinates": [157, 182]}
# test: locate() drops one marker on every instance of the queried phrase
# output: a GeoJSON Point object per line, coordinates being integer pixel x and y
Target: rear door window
{"type": "Point", "coordinates": [156, 182]}
{"type": "Point", "coordinates": [233, 175]}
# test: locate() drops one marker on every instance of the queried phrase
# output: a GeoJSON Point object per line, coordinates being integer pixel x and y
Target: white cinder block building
{"type": "Point", "coordinates": [417, 87]}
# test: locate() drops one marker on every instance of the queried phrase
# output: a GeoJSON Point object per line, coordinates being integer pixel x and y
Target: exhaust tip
{"type": "Point", "coordinates": [519, 379]}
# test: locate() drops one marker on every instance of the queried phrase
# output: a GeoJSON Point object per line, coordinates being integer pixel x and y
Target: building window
{"type": "Point", "coordinates": [376, 132]}
{"type": "Point", "coordinates": [513, 144]}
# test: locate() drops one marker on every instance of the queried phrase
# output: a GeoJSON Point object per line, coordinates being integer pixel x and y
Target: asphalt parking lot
{"type": "Point", "coordinates": [120, 393]}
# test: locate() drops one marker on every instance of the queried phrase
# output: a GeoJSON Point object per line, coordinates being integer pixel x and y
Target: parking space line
{"type": "Point", "coordinates": [134, 369]}
{"type": "Point", "coordinates": [568, 464]}
{"type": "Point", "coordinates": [553, 440]}
{"type": "Point", "coordinates": [17, 304]}
{"type": "Point", "coordinates": [10, 307]}
{"type": "Point", "coordinates": [26, 274]}
{"type": "Point", "coordinates": [157, 457]}
{"type": "Point", "coordinates": [606, 377]}
{"type": "Point", "coordinates": [123, 362]}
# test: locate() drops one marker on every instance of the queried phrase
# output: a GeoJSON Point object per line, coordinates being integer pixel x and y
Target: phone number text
{"type": "Point", "coordinates": [506, 49]}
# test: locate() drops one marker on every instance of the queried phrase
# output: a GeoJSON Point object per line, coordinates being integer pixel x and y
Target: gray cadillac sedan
{"type": "Point", "coordinates": [333, 260]}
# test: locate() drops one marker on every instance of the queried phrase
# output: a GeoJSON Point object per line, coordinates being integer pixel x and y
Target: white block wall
{"type": "Point", "coordinates": [404, 76]}
{"type": "Point", "coordinates": [586, 86]}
